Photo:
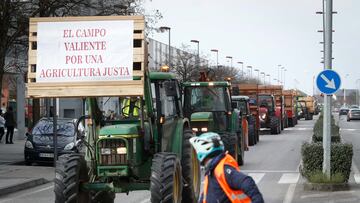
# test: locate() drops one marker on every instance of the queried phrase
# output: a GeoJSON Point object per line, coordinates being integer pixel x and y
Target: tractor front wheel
{"type": "Point", "coordinates": [70, 171]}
{"type": "Point", "coordinates": [190, 170]}
{"type": "Point", "coordinates": [166, 178]}
{"type": "Point", "coordinates": [274, 125]}
{"type": "Point", "coordinates": [252, 131]}
{"type": "Point", "coordinates": [231, 145]}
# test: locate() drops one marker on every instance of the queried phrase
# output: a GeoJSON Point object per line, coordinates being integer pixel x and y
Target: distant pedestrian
{"type": "Point", "coordinates": [2, 125]}
{"type": "Point", "coordinates": [9, 124]}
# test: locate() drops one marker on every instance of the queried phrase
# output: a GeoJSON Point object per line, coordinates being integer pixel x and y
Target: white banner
{"type": "Point", "coordinates": [83, 51]}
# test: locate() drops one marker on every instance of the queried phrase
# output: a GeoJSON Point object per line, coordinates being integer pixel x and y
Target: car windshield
{"type": "Point", "coordinates": [45, 127]}
{"type": "Point", "coordinates": [206, 99]}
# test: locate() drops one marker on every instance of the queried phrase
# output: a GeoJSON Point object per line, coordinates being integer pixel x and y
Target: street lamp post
{"type": "Point", "coordinates": [358, 96]}
{"type": "Point", "coordinates": [231, 60]}
{"type": "Point", "coordinates": [198, 52]}
{"type": "Point", "coordinates": [284, 77]}
{"type": "Point", "coordinates": [262, 73]}
{"type": "Point", "coordinates": [279, 79]}
{"type": "Point", "coordinates": [258, 72]}
{"type": "Point", "coordinates": [242, 68]}
{"type": "Point", "coordinates": [250, 67]}
{"type": "Point", "coordinates": [268, 75]}
{"type": "Point", "coordinates": [163, 29]}
{"type": "Point", "coordinates": [217, 56]}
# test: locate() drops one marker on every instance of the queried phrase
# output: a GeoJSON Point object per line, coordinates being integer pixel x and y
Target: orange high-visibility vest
{"type": "Point", "coordinates": [235, 196]}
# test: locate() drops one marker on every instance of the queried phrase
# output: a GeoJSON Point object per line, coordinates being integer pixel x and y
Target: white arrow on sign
{"type": "Point", "coordinates": [330, 83]}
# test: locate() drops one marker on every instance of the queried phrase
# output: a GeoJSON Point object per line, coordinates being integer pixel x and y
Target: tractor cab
{"type": "Point", "coordinates": [208, 106]}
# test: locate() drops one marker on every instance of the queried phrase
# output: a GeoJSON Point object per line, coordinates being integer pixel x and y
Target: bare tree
{"type": "Point", "coordinates": [185, 64]}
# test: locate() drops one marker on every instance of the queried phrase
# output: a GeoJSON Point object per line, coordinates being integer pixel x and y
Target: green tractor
{"type": "Point", "coordinates": [136, 136]}
{"type": "Point", "coordinates": [208, 105]}
{"type": "Point", "coordinates": [126, 152]}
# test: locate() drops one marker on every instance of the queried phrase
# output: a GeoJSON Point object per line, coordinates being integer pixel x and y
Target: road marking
{"type": "Point", "coordinates": [257, 176]}
{"type": "Point", "coordinates": [145, 200]}
{"type": "Point", "coordinates": [289, 178]}
{"type": "Point", "coordinates": [268, 171]}
{"type": "Point", "coordinates": [300, 129]}
{"type": "Point", "coordinates": [348, 129]}
{"type": "Point", "coordinates": [290, 193]}
{"type": "Point", "coordinates": [26, 194]}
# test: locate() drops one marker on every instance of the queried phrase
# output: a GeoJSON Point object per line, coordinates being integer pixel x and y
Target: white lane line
{"type": "Point", "coordinates": [356, 172]}
{"type": "Point", "coordinates": [297, 129]}
{"type": "Point", "coordinates": [26, 194]}
{"type": "Point", "coordinates": [257, 176]}
{"type": "Point", "coordinates": [290, 194]}
{"type": "Point", "coordinates": [145, 201]}
{"type": "Point", "coordinates": [357, 178]}
{"type": "Point", "coordinates": [289, 178]}
{"type": "Point", "coordinates": [268, 171]}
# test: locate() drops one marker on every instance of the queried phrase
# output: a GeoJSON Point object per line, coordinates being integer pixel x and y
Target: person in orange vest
{"type": "Point", "coordinates": [223, 180]}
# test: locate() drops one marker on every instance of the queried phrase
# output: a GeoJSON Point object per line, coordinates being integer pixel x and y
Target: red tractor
{"type": "Point", "coordinates": [269, 117]}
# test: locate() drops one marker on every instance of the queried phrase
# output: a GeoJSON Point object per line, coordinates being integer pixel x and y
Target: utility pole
{"type": "Point", "coordinates": [328, 4]}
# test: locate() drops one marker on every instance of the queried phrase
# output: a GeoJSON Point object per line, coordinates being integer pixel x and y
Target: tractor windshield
{"type": "Point", "coordinates": [243, 106]}
{"type": "Point", "coordinates": [119, 108]}
{"type": "Point", "coordinates": [266, 101]}
{"type": "Point", "coordinates": [206, 99]}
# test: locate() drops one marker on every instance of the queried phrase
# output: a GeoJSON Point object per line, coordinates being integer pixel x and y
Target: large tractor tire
{"type": "Point", "coordinates": [275, 125]}
{"type": "Point", "coordinates": [252, 131]}
{"type": "Point", "coordinates": [241, 152]}
{"type": "Point", "coordinates": [282, 124]}
{"type": "Point", "coordinates": [70, 171]}
{"type": "Point", "coordinates": [291, 122]}
{"type": "Point", "coordinates": [190, 170]}
{"type": "Point", "coordinates": [286, 120]}
{"type": "Point", "coordinates": [231, 145]}
{"type": "Point", "coordinates": [166, 178]}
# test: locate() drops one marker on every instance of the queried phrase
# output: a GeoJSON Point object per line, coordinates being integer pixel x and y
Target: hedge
{"type": "Point", "coordinates": [341, 158]}
{"type": "Point", "coordinates": [318, 130]}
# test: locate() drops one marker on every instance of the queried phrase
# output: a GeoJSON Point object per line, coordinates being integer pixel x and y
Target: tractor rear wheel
{"type": "Point", "coordinates": [231, 144]}
{"type": "Point", "coordinates": [166, 178]}
{"type": "Point", "coordinates": [252, 132]}
{"type": "Point", "coordinates": [241, 151]}
{"type": "Point", "coordinates": [70, 171]}
{"type": "Point", "coordinates": [274, 125]}
{"type": "Point", "coordinates": [190, 170]}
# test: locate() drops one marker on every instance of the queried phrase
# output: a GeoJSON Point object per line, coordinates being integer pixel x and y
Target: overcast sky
{"type": "Point", "coordinates": [265, 33]}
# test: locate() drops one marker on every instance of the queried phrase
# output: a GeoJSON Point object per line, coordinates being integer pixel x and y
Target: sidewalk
{"type": "Point", "coordinates": [14, 175]}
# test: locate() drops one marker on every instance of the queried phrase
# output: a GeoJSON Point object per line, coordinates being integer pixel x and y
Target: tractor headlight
{"type": "Point", "coordinates": [195, 129]}
{"type": "Point", "coordinates": [121, 150]}
{"type": "Point", "coordinates": [263, 116]}
{"type": "Point", "coordinates": [29, 145]}
{"type": "Point", "coordinates": [105, 151]}
{"type": "Point", "coordinates": [69, 146]}
{"type": "Point", "coordinates": [204, 129]}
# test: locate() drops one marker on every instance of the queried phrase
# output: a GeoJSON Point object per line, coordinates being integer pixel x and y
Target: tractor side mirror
{"type": "Point", "coordinates": [170, 88]}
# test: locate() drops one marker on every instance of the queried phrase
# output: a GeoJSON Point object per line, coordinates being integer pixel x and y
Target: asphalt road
{"type": "Point", "coordinates": [273, 163]}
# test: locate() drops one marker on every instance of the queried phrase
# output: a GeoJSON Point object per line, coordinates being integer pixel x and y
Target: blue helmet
{"type": "Point", "coordinates": [206, 144]}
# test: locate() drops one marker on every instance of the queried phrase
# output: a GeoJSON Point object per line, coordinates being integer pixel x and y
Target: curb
{"type": "Point", "coordinates": [326, 186]}
{"type": "Point", "coordinates": [22, 186]}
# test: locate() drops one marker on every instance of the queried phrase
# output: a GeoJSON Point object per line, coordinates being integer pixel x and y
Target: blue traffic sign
{"type": "Point", "coordinates": [328, 81]}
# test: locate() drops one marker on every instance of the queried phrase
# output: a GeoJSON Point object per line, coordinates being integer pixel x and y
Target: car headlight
{"type": "Point", "coordinates": [204, 129]}
{"type": "Point", "coordinates": [69, 146]}
{"type": "Point", "coordinates": [121, 150]}
{"type": "Point", "coordinates": [195, 129]}
{"type": "Point", "coordinates": [105, 151]}
{"type": "Point", "coordinates": [29, 145]}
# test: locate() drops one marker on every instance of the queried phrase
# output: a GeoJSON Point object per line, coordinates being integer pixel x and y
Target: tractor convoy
{"type": "Point", "coordinates": [138, 127]}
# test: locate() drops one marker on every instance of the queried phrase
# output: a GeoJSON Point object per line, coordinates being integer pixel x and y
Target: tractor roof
{"type": "Point", "coordinates": [161, 76]}
{"type": "Point", "coordinates": [207, 84]}
{"type": "Point", "coordinates": [240, 98]}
